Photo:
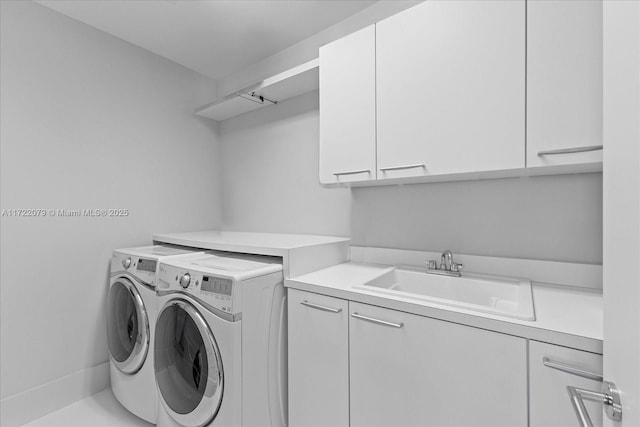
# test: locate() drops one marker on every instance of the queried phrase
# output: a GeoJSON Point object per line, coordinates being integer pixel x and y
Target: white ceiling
{"type": "Point", "coordinates": [213, 37]}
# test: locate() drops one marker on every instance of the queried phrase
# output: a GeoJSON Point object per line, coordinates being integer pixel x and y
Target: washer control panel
{"type": "Point", "coordinates": [185, 280]}
{"type": "Point", "coordinates": [216, 291]}
{"type": "Point", "coordinates": [140, 267]}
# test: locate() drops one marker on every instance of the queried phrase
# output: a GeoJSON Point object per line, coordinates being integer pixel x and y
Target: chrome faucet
{"type": "Point", "coordinates": [447, 266]}
{"type": "Point", "coordinates": [446, 260]}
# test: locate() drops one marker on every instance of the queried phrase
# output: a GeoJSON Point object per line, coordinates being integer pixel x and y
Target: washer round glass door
{"type": "Point", "coordinates": [127, 326]}
{"type": "Point", "coordinates": [187, 364]}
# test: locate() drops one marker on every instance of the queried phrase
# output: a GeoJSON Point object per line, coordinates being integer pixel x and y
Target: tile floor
{"type": "Point", "coordinates": [100, 409]}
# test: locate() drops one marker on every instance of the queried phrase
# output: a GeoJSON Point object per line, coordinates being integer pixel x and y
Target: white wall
{"type": "Point", "coordinates": [557, 218]}
{"type": "Point", "coordinates": [270, 173]}
{"type": "Point", "coordinates": [88, 121]}
{"type": "Point", "coordinates": [270, 183]}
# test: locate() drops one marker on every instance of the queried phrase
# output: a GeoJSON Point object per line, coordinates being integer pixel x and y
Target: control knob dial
{"type": "Point", "coordinates": [126, 263]}
{"type": "Point", "coordinates": [185, 279]}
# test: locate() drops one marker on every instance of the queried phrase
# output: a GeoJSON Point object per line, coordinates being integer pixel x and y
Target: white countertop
{"type": "Point", "coordinates": [565, 316]}
{"type": "Point", "coordinates": [300, 253]}
{"type": "Point", "coordinates": [260, 243]}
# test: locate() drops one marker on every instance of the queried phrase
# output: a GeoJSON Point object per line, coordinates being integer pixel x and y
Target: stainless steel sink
{"type": "Point", "coordinates": [500, 296]}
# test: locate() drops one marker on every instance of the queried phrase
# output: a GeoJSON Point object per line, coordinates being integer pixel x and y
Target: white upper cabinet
{"type": "Point", "coordinates": [450, 80]}
{"type": "Point", "coordinates": [461, 87]}
{"type": "Point", "coordinates": [348, 108]}
{"type": "Point", "coordinates": [564, 82]}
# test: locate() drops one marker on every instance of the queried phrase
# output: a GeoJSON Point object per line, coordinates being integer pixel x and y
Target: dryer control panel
{"type": "Point", "coordinates": [216, 291]}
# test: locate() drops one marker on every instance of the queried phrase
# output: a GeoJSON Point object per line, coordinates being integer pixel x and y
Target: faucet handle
{"type": "Point", "coordinates": [456, 267]}
{"type": "Point", "coordinates": [432, 265]}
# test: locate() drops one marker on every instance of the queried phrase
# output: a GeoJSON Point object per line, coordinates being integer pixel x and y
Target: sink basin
{"type": "Point", "coordinates": [500, 296]}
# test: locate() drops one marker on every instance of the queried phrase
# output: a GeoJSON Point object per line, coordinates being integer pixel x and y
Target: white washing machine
{"type": "Point", "coordinates": [220, 343]}
{"type": "Point", "coordinates": [131, 312]}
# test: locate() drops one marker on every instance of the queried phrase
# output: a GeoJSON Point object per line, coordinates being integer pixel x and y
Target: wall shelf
{"type": "Point", "coordinates": [290, 83]}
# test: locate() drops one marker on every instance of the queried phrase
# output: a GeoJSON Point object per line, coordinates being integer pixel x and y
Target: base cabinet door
{"type": "Point", "coordinates": [318, 360]}
{"type": "Point", "coordinates": [407, 370]}
{"type": "Point", "coordinates": [553, 368]}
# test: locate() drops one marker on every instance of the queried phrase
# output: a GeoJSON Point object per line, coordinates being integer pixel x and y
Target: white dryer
{"type": "Point", "coordinates": [131, 312]}
{"type": "Point", "coordinates": [220, 342]}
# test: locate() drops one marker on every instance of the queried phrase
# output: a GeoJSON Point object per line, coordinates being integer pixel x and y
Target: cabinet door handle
{"type": "Point", "coordinates": [377, 321]}
{"type": "Point", "coordinates": [397, 168]}
{"type": "Point", "coordinates": [570, 150]}
{"type": "Point", "coordinates": [321, 307]}
{"type": "Point", "coordinates": [571, 370]}
{"type": "Point", "coordinates": [337, 174]}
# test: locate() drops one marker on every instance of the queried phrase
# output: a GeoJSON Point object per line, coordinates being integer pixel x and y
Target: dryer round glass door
{"type": "Point", "coordinates": [187, 364]}
{"type": "Point", "coordinates": [127, 326]}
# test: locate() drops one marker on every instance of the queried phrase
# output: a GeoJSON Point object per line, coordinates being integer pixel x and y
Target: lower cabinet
{"type": "Point", "coordinates": [408, 370]}
{"type": "Point", "coordinates": [551, 369]}
{"type": "Point", "coordinates": [318, 360]}
{"type": "Point", "coordinates": [354, 364]}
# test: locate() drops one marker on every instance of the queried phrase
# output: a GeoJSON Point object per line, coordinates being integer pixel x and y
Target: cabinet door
{"type": "Point", "coordinates": [451, 88]}
{"type": "Point", "coordinates": [348, 109]}
{"type": "Point", "coordinates": [417, 371]}
{"type": "Point", "coordinates": [318, 360]}
{"type": "Point", "coordinates": [564, 81]}
{"type": "Point", "coordinates": [549, 401]}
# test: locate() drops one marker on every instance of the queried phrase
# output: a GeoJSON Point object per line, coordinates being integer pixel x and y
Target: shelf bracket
{"type": "Point", "coordinates": [255, 97]}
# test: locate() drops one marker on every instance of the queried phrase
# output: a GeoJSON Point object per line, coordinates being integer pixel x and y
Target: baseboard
{"type": "Point", "coordinates": [39, 401]}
